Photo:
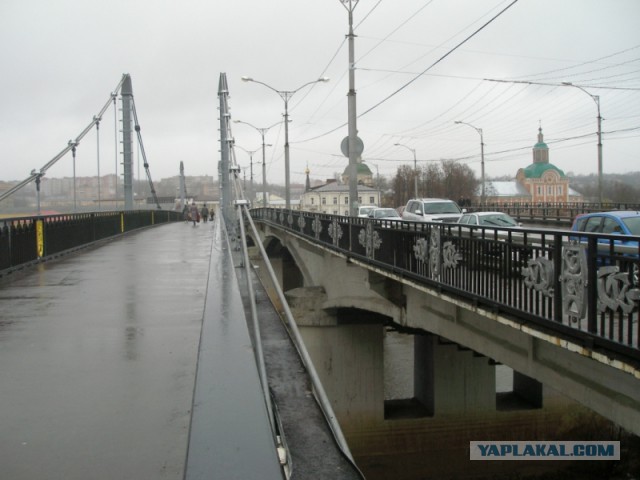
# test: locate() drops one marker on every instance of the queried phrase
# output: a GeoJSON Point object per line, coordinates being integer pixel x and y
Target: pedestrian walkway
{"type": "Point", "coordinates": [98, 356]}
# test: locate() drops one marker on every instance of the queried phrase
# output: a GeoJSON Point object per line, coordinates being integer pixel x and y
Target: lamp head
{"type": "Point", "coordinates": [457, 121]}
{"type": "Point", "coordinates": [567, 83]}
{"type": "Point", "coordinates": [324, 79]}
{"type": "Point", "coordinates": [247, 79]}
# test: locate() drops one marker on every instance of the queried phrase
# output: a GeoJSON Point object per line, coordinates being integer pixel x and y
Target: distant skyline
{"type": "Point", "coordinates": [419, 68]}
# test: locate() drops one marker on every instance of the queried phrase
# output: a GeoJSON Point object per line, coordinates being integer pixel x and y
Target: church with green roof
{"type": "Point", "coordinates": [540, 182]}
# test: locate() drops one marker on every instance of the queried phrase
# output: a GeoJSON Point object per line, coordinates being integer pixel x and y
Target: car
{"type": "Point", "coordinates": [489, 219]}
{"type": "Point", "coordinates": [619, 222]}
{"type": "Point", "coordinates": [385, 213]}
{"type": "Point", "coordinates": [363, 210]}
{"type": "Point", "coordinates": [432, 210]}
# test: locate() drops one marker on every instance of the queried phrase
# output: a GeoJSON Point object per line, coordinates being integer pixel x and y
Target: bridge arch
{"type": "Point", "coordinates": [290, 270]}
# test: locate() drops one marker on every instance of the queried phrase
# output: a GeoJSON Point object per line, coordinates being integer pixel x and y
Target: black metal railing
{"type": "Point", "coordinates": [555, 213]}
{"type": "Point", "coordinates": [582, 287]}
{"type": "Point", "coordinates": [28, 239]}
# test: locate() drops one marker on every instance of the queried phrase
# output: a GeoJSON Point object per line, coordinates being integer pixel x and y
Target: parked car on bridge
{"type": "Point", "coordinates": [621, 222]}
{"type": "Point", "coordinates": [363, 210]}
{"type": "Point", "coordinates": [432, 210]}
{"type": "Point", "coordinates": [385, 213]}
{"type": "Point", "coordinates": [489, 219]}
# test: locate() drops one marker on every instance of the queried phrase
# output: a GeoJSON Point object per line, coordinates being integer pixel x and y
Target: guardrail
{"type": "Point", "coordinates": [24, 240]}
{"type": "Point", "coordinates": [582, 288]}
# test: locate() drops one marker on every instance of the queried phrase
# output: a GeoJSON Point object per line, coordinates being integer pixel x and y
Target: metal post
{"type": "Point", "coordinates": [262, 132]}
{"type": "Point", "coordinates": [223, 92]}
{"type": "Point", "coordinates": [350, 5]}
{"type": "Point", "coordinates": [264, 175]}
{"type": "Point", "coordinates": [596, 99]}
{"type": "Point", "coordinates": [287, 192]}
{"type": "Point", "coordinates": [38, 191]}
{"type": "Point", "coordinates": [73, 154]}
{"type": "Point", "coordinates": [115, 129]}
{"type": "Point", "coordinates": [97, 120]}
{"type": "Point", "coordinates": [286, 95]}
{"type": "Point", "coordinates": [251, 194]}
{"type": "Point", "coordinates": [183, 190]}
{"type": "Point", "coordinates": [479, 130]}
{"type": "Point", "coordinates": [415, 167]}
{"type": "Point", "coordinates": [127, 153]}
{"type": "Point", "coordinates": [482, 191]}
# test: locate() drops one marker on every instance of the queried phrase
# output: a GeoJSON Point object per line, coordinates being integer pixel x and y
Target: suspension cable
{"type": "Point", "coordinates": [34, 174]}
{"type": "Point", "coordinates": [144, 155]}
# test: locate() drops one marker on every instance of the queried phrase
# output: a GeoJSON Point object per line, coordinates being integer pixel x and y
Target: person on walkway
{"type": "Point", "coordinates": [193, 211]}
{"type": "Point", "coordinates": [204, 213]}
{"type": "Point", "coordinates": [212, 214]}
{"type": "Point", "coordinates": [185, 213]}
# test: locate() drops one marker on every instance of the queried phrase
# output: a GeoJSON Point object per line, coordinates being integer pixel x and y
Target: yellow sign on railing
{"type": "Point", "coordinates": [40, 238]}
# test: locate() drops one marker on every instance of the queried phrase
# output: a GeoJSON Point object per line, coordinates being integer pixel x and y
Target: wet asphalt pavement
{"type": "Point", "coordinates": [98, 356]}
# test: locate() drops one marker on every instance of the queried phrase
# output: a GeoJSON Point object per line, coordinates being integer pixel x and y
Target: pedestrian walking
{"type": "Point", "coordinates": [204, 213]}
{"type": "Point", "coordinates": [193, 211]}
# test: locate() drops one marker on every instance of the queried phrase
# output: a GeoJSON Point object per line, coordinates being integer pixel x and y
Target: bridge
{"type": "Point", "coordinates": [124, 340]}
{"type": "Point", "coordinates": [563, 311]}
{"type": "Point", "coordinates": [136, 345]}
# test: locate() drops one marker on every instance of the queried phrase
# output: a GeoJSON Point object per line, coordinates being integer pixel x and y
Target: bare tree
{"type": "Point", "coordinates": [449, 179]}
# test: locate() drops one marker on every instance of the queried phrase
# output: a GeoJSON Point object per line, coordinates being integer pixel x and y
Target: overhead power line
{"type": "Point", "coordinates": [393, 94]}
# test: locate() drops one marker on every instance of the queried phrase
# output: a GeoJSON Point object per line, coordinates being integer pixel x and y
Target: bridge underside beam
{"type": "Point", "coordinates": [613, 393]}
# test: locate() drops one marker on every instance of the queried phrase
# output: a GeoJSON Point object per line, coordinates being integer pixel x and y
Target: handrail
{"type": "Point", "coordinates": [584, 287]}
{"type": "Point", "coordinates": [321, 394]}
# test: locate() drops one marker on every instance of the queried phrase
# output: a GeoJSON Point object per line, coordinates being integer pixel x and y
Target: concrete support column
{"type": "Point", "coordinates": [527, 389]}
{"type": "Point", "coordinates": [348, 357]}
{"type": "Point", "coordinates": [423, 375]}
{"type": "Point", "coordinates": [450, 380]}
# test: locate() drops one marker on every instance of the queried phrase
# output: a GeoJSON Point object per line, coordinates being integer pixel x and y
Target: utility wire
{"type": "Point", "coordinates": [388, 97]}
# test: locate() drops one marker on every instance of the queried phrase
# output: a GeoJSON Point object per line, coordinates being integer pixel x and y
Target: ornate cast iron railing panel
{"type": "Point", "coordinates": [585, 287]}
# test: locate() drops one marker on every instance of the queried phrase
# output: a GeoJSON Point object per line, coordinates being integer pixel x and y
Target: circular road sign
{"type": "Point", "coordinates": [344, 146]}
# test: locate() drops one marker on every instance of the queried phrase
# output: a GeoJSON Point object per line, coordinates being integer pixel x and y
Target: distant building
{"type": "Point", "coordinates": [364, 174]}
{"type": "Point", "coordinates": [333, 197]}
{"type": "Point", "coordinates": [540, 182]}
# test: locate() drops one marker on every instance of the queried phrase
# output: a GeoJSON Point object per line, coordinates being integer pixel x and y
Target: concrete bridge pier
{"type": "Point", "coordinates": [448, 379]}
{"type": "Point", "coordinates": [346, 346]}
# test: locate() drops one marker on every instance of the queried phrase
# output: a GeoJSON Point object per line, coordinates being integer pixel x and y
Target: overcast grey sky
{"type": "Point", "coordinates": [61, 59]}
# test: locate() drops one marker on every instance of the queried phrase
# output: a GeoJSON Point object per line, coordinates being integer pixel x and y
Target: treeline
{"type": "Point", "coordinates": [447, 179]}
{"type": "Point", "coordinates": [616, 188]}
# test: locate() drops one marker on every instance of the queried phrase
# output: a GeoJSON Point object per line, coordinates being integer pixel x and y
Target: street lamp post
{"type": "Point", "coordinates": [596, 99]}
{"type": "Point", "coordinates": [262, 132]}
{"type": "Point", "coordinates": [352, 150]}
{"type": "Point", "coordinates": [415, 167]}
{"type": "Point", "coordinates": [286, 96]}
{"type": "Point", "coordinates": [479, 130]}
{"type": "Point", "coordinates": [250, 152]}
